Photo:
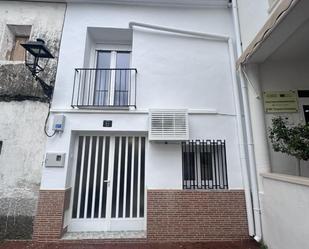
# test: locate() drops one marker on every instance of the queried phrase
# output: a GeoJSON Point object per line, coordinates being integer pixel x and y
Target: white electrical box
{"type": "Point", "coordinates": [58, 124]}
{"type": "Point", "coordinates": [55, 160]}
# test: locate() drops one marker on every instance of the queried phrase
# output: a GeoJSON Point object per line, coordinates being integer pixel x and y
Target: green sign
{"type": "Point", "coordinates": [280, 102]}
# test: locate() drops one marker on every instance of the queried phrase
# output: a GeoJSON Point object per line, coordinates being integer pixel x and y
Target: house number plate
{"type": "Point", "coordinates": [107, 123]}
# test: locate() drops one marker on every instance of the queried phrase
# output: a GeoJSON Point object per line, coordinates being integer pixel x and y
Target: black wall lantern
{"type": "Point", "coordinates": [36, 59]}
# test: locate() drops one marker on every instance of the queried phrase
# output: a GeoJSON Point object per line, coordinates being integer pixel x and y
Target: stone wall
{"type": "Point", "coordinates": [23, 109]}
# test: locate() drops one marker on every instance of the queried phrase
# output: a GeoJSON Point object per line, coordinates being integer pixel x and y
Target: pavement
{"type": "Point", "coordinates": [111, 245]}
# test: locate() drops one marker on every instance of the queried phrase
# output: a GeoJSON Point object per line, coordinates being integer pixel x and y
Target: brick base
{"type": "Point", "coordinates": [192, 216]}
{"type": "Point", "coordinates": [48, 223]}
{"type": "Point", "coordinates": [172, 216]}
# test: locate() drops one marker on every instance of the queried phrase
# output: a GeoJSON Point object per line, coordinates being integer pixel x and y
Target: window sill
{"type": "Point", "coordinates": [121, 108]}
{"type": "Point", "coordinates": [287, 178]}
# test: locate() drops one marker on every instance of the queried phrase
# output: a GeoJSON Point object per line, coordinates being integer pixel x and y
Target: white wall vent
{"type": "Point", "coordinates": [168, 125]}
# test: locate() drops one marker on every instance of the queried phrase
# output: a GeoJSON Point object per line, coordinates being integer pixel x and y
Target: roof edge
{"type": "Point", "coordinates": [274, 20]}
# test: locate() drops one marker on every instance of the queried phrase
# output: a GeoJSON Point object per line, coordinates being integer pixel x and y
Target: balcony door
{"type": "Point", "coordinates": [112, 81]}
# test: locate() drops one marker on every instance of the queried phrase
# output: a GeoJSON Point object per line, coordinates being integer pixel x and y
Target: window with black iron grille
{"type": "Point", "coordinates": [204, 164]}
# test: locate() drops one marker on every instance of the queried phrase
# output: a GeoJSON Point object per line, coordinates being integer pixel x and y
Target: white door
{"type": "Point", "coordinates": [109, 188]}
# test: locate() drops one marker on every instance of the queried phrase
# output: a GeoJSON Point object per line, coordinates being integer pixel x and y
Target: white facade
{"type": "Point", "coordinates": [183, 68]}
{"type": "Point", "coordinates": [252, 16]}
{"type": "Point", "coordinates": [285, 215]}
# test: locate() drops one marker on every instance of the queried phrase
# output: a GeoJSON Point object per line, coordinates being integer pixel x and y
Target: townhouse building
{"type": "Point", "coordinates": [145, 125]}
{"type": "Point", "coordinates": [158, 126]}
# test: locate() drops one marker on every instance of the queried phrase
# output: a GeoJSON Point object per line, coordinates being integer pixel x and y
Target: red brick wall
{"type": "Point", "coordinates": [172, 215]}
{"type": "Point", "coordinates": [48, 223]}
{"type": "Point", "coordinates": [182, 215]}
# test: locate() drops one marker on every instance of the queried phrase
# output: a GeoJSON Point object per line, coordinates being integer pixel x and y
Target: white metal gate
{"type": "Point", "coordinates": [109, 188]}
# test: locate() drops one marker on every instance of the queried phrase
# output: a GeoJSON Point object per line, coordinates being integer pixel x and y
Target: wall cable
{"type": "Point", "coordinates": [46, 120]}
{"type": "Point", "coordinates": [243, 70]}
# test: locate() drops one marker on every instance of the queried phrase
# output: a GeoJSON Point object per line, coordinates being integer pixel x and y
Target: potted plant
{"type": "Point", "coordinates": [291, 140]}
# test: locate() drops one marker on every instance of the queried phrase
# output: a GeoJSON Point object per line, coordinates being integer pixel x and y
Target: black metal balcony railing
{"type": "Point", "coordinates": [204, 164]}
{"type": "Point", "coordinates": [104, 87]}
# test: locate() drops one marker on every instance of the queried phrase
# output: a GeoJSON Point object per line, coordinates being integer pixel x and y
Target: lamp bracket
{"type": "Point", "coordinates": [47, 89]}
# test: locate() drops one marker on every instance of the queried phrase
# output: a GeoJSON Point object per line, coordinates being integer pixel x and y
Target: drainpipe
{"type": "Point", "coordinates": [243, 154]}
{"type": "Point", "coordinates": [236, 90]}
{"type": "Point", "coordinates": [207, 36]}
{"type": "Point", "coordinates": [249, 134]}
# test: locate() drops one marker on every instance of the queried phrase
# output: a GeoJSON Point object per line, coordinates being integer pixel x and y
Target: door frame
{"type": "Point", "coordinates": [108, 223]}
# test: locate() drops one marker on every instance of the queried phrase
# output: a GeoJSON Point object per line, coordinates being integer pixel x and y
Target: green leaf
{"type": "Point", "coordinates": [291, 140]}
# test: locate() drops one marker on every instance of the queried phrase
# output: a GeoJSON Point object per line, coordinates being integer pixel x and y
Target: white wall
{"type": "Point", "coordinates": [79, 17]}
{"type": "Point", "coordinates": [174, 71]}
{"type": "Point", "coordinates": [23, 147]}
{"type": "Point", "coordinates": [285, 76]}
{"type": "Point", "coordinates": [252, 16]}
{"type": "Point", "coordinates": [255, 97]}
{"type": "Point", "coordinates": [163, 162]}
{"type": "Point", "coordinates": [285, 212]}
{"type": "Point", "coordinates": [182, 72]}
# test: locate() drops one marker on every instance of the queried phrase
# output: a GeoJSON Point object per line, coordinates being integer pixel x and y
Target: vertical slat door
{"type": "Point", "coordinates": [109, 185]}
{"type": "Point", "coordinates": [128, 193]}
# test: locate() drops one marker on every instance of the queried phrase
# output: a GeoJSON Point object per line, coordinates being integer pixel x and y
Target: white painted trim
{"type": "Point", "coordinates": [95, 177]}
{"type": "Point", "coordinates": [55, 189]}
{"type": "Point", "coordinates": [112, 47]}
{"type": "Point", "coordinates": [287, 178]}
{"type": "Point", "coordinates": [112, 78]}
{"type": "Point", "coordinates": [125, 178]}
{"type": "Point", "coordinates": [132, 176]}
{"type": "Point", "coordinates": [88, 177]}
{"type": "Point", "coordinates": [190, 111]}
{"type": "Point", "coordinates": [81, 176]}
{"type": "Point", "coordinates": [118, 176]}
{"type": "Point", "coordinates": [159, 3]}
{"type": "Point", "coordinates": [102, 175]}
{"type": "Point", "coordinates": [139, 175]}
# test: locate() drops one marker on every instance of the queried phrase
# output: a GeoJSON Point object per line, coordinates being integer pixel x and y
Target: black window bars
{"type": "Point", "coordinates": [204, 164]}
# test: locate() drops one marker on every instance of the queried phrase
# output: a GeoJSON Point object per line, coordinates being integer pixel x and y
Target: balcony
{"type": "Point", "coordinates": [103, 88]}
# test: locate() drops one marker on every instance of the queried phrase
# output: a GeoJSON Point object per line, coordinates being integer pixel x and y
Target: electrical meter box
{"type": "Point", "coordinates": [54, 160]}
{"type": "Point", "coordinates": [58, 124]}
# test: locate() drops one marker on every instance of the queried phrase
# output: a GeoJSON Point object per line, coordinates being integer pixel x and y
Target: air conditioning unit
{"type": "Point", "coordinates": [168, 125]}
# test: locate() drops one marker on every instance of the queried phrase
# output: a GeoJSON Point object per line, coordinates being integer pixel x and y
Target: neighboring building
{"type": "Point", "coordinates": [265, 79]}
{"type": "Point", "coordinates": [274, 66]}
{"type": "Point", "coordinates": [23, 109]}
{"type": "Point", "coordinates": [135, 83]}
